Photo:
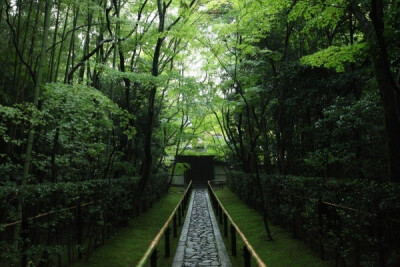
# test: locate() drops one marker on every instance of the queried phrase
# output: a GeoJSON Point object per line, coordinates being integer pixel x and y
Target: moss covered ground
{"type": "Point", "coordinates": [284, 251]}
{"type": "Point", "coordinates": [126, 247]}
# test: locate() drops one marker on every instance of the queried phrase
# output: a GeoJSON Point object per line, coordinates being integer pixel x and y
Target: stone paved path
{"type": "Point", "coordinates": [200, 240]}
{"type": "Point", "coordinates": [200, 244]}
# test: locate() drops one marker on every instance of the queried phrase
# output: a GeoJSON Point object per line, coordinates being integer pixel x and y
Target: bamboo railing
{"type": "Point", "coordinates": [224, 217]}
{"type": "Point", "coordinates": [151, 252]}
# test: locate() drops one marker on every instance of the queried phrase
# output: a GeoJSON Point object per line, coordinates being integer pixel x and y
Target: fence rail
{"type": "Point", "coordinates": [338, 206]}
{"type": "Point", "coordinates": [152, 252]}
{"type": "Point", "coordinates": [48, 213]}
{"type": "Point", "coordinates": [224, 217]}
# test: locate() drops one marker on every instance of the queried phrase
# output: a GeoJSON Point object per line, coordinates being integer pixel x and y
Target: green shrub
{"type": "Point", "coordinates": [355, 222]}
{"type": "Point", "coordinates": [82, 215]}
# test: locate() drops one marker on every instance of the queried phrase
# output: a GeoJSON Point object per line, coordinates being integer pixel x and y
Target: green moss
{"type": "Point", "coordinates": [207, 152]}
{"type": "Point", "coordinates": [127, 246]}
{"type": "Point", "coordinates": [283, 251]}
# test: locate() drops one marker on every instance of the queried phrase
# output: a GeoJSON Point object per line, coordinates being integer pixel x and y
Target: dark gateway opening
{"type": "Point", "coordinates": [201, 169]}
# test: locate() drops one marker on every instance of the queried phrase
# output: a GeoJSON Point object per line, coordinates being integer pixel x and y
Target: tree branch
{"type": "Point", "coordinates": [75, 68]}
{"type": "Point", "coordinates": [66, 35]}
{"type": "Point", "coordinates": [31, 72]}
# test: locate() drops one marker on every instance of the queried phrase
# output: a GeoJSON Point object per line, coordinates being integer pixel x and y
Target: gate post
{"type": "Point", "coordinates": [233, 240]}
{"type": "Point", "coordinates": [225, 225]}
{"type": "Point", "coordinates": [246, 255]}
{"type": "Point", "coordinates": [174, 226]}
{"type": "Point", "coordinates": [220, 214]}
{"type": "Point", "coordinates": [167, 242]}
{"type": "Point", "coordinates": [153, 258]}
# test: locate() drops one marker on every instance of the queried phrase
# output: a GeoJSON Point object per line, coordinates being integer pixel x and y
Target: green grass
{"type": "Point", "coordinates": [283, 251]}
{"type": "Point", "coordinates": [128, 245]}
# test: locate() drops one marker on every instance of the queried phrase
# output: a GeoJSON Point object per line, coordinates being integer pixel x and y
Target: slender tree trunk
{"type": "Point", "coordinates": [86, 49]}
{"type": "Point", "coordinates": [71, 46]}
{"type": "Point", "coordinates": [27, 23]}
{"type": "Point", "coordinates": [61, 45]}
{"type": "Point", "coordinates": [267, 158]}
{"type": "Point", "coordinates": [53, 49]}
{"type": "Point", "coordinates": [389, 91]}
{"type": "Point", "coordinates": [53, 156]}
{"type": "Point", "coordinates": [16, 59]}
{"type": "Point", "coordinates": [1, 10]}
{"type": "Point", "coordinates": [151, 100]}
{"type": "Point", "coordinates": [177, 145]}
{"type": "Point", "coordinates": [38, 84]}
{"type": "Point", "coordinates": [30, 54]}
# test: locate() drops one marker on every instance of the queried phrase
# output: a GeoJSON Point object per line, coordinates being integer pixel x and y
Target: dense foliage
{"type": "Point", "coordinates": [354, 222]}
{"type": "Point", "coordinates": [301, 92]}
{"type": "Point", "coordinates": [104, 90]}
{"type": "Point", "coordinates": [311, 89]}
{"type": "Point", "coordinates": [88, 105]}
{"type": "Point", "coordinates": [67, 220]}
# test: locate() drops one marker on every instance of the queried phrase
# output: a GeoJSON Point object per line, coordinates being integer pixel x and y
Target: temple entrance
{"type": "Point", "coordinates": [201, 169]}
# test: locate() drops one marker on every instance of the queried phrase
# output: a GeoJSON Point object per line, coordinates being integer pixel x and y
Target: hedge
{"type": "Point", "coordinates": [352, 222]}
{"type": "Point", "coordinates": [74, 217]}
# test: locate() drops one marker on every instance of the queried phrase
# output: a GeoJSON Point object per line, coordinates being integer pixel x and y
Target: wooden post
{"type": "Point", "coordinates": [179, 216]}
{"type": "Point", "coordinates": [167, 242]}
{"type": "Point", "coordinates": [153, 258]}
{"type": "Point", "coordinates": [221, 214]}
{"type": "Point", "coordinates": [233, 240]}
{"type": "Point", "coordinates": [187, 200]}
{"type": "Point", "coordinates": [214, 201]}
{"type": "Point", "coordinates": [247, 258]}
{"type": "Point", "coordinates": [24, 237]}
{"type": "Point", "coordinates": [225, 225]}
{"type": "Point", "coordinates": [79, 226]}
{"type": "Point", "coordinates": [175, 226]}
{"type": "Point", "coordinates": [321, 229]}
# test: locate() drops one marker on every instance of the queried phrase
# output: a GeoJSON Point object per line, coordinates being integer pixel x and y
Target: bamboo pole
{"type": "Point", "coordinates": [153, 244]}
{"type": "Point", "coordinates": [247, 244]}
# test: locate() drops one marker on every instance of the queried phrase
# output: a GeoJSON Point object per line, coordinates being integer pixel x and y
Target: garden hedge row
{"type": "Point", "coordinates": [352, 222]}
{"type": "Point", "coordinates": [82, 215]}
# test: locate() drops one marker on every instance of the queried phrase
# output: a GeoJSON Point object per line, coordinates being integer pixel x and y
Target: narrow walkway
{"type": "Point", "coordinates": [200, 243]}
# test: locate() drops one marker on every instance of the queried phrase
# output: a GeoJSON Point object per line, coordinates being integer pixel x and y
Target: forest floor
{"type": "Point", "coordinates": [128, 245]}
{"type": "Point", "coordinates": [282, 252]}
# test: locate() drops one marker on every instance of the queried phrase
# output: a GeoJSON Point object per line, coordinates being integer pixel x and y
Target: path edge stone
{"type": "Point", "coordinates": [180, 250]}
{"type": "Point", "coordinates": [222, 252]}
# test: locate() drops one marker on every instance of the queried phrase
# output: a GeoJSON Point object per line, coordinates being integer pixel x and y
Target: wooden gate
{"type": "Point", "coordinates": [201, 169]}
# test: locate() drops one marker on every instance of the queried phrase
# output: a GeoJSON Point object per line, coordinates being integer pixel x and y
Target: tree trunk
{"type": "Point", "coordinates": [37, 90]}
{"type": "Point", "coordinates": [182, 126]}
{"type": "Point", "coordinates": [39, 76]}
{"type": "Point", "coordinates": [148, 162]}
{"type": "Point", "coordinates": [389, 91]}
{"type": "Point", "coordinates": [17, 43]}
{"type": "Point", "coordinates": [1, 10]}
{"type": "Point", "coordinates": [61, 45]}
{"type": "Point", "coordinates": [53, 49]}
{"type": "Point", "coordinates": [26, 34]}
{"type": "Point", "coordinates": [71, 46]}
{"type": "Point", "coordinates": [54, 155]}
